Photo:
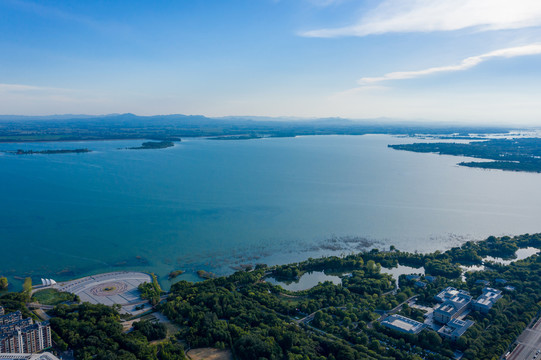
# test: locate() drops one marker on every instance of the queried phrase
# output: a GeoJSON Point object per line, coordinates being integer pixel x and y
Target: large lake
{"type": "Point", "coordinates": [214, 205]}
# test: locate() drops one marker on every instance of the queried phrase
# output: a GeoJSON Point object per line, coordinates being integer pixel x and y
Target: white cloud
{"type": "Point", "coordinates": [21, 88]}
{"type": "Point", "coordinates": [18, 88]}
{"type": "Point", "coordinates": [393, 16]}
{"type": "Point", "coordinates": [55, 13]}
{"type": "Point", "coordinates": [532, 49]}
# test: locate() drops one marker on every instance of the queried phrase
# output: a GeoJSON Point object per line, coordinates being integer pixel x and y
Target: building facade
{"type": "Point", "coordinates": [455, 329]}
{"type": "Point", "coordinates": [487, 299]}
{"type": "Point", "coordinates": [18, 335]}
{"type": "Point", "coordinates": [454, 303]}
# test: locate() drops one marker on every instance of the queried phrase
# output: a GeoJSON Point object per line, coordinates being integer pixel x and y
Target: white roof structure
{"type": "Point", "coordinates": [48, 282]}
{"type": "Point", "coordinates": [455, 328]}
{"type": "Point", "coordinates": [450, 293]}
{"type": "Point", "coordinates": [403, 324]}
{"type": "Point", "coordinates": [488, 297]}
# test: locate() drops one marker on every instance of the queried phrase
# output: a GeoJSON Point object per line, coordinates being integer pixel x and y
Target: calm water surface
{"type": "Point", "coordinates": [306, 281]}
{"type": "Point", "coordinates": [217, 204]}
{"type": "Point", "coordinates": [402, 270]}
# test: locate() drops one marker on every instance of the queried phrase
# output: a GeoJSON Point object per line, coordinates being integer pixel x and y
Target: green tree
{"type": "Point", "coordinates": [27, 287]}
{"type": "Point", "coordinates": [3, 282]}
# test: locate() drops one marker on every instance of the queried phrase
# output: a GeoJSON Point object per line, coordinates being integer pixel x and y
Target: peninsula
{"type": "Point", "coordinates": [519, 154]}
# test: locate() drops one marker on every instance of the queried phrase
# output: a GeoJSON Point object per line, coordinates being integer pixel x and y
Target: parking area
{"type": "Point", "coordinates": [529, 344]}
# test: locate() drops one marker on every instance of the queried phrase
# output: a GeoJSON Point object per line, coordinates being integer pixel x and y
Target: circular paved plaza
{"type": "Point", "coordinates": [108, 289]}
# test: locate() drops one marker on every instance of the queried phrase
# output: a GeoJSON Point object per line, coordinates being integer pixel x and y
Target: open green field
{"type": "Point", "coordinates": [51, 297]}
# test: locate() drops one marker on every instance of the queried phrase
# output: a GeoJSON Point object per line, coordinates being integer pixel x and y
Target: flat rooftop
{"type": "Point", "coordinates": [403, 323]}
{"type": "Point", "coordinates": [489, 296]}
{"type": "Point", "coordinates": [455, 328]}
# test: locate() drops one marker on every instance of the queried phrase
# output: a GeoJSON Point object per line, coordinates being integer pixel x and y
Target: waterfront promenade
{"type": "Point", "coordinates": [110, 289]}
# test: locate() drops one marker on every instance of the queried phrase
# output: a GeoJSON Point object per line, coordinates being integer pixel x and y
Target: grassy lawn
{"type": "Point", "coordinates": [51, 297]}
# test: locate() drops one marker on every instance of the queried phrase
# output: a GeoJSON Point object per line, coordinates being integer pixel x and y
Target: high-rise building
{"type": "Point", "coordinates": [18, 335]}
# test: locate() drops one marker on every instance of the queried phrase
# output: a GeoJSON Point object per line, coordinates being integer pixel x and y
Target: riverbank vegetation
{"type": "Point", "coordinates": [151, 291]}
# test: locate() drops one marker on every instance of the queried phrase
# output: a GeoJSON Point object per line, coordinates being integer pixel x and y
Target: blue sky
{"type": "Point", "coordinates": [444, 60]}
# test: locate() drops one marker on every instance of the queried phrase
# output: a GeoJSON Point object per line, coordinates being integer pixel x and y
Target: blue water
{"type": "Point", "coordinates": [214, 205]}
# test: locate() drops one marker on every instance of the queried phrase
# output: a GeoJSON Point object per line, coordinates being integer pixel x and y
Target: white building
{"type": "Point", "coordinates": [455, 329]}
{"type": "Point", "coordinates": [449, 293]}
{"type": "Point", "coordinates": [454, 303]}
{"type": "Point", "coordinates": [403, 324]}
{"type": "Point", "coordinates": [485, 302]}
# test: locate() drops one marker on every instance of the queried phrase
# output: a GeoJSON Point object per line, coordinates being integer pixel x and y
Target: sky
{"type": "Point", "coordinates": [475, 61]}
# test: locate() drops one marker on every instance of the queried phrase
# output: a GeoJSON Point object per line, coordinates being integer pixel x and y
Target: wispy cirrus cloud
{"type": "Point", "coordinates": [468, 63]}
{"type": "Point", "coordinates": [324, 3]}
{"type": "Point", "coordinates": [18, 88]}
{"type": "Point", "coordinates": [394, 16]}
{"type": "Point", "coordinates": [51, 12]}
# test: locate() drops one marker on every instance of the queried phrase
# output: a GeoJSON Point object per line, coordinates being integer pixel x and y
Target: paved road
{"type": "Point", "coordinates": [529, 342]}
{"type": "Point", "coordinates": [34, 305]}
{"type": "Point", "coordinates": [310, 317]}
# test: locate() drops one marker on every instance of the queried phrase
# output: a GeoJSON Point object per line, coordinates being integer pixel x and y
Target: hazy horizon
{"type": "Point", "coordinates": [261, 118]}
{"type": "Point", "coordinates": [468, 60]}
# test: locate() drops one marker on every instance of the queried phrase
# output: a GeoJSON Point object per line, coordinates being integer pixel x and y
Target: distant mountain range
{"type": "Point", "coordinates": [167, 127]}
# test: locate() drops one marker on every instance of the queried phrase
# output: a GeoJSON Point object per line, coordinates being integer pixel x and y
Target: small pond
{"type": "Point", "coordinates": [521, 255]}
{"type": "Point", "coordinates": [307, 281]}
{"type": "Point", "coordinates": [402, 270]}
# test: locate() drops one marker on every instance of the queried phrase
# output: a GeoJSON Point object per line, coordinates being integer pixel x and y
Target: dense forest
{"type": "Point", "coordinates": [94, 332]}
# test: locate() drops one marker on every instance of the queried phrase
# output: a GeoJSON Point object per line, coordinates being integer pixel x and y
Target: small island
{"type": "Point", "coordinates": [206, 274]}
{"type": "Point", "coordinates": [149, 145]}
{"type": "Point", "coordinates": [49, 152]}
{"type": "Point", "coordinates": [175, 273]}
